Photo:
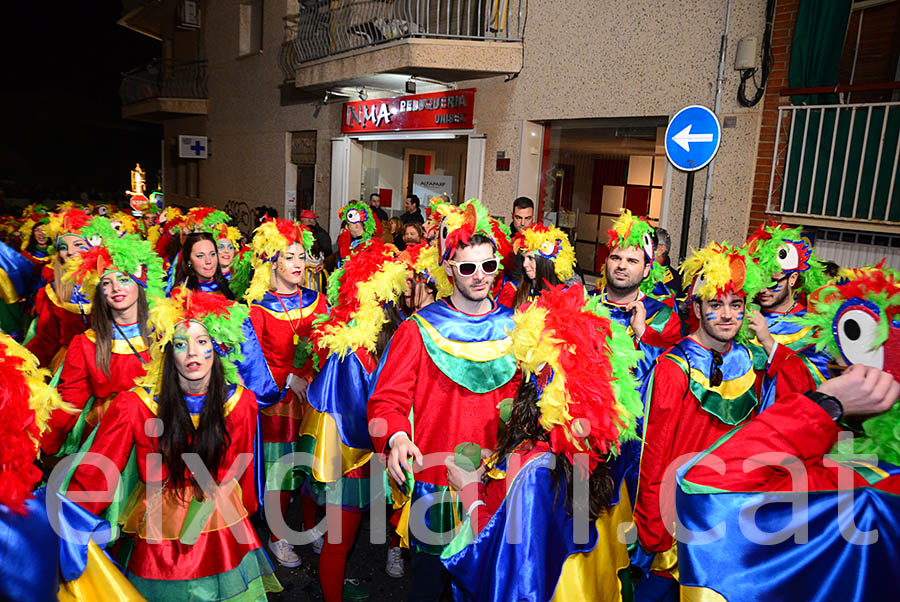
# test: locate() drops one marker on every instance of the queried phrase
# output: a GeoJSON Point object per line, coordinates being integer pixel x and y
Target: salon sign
{"type": "Point", "coordinates": [449, 110]}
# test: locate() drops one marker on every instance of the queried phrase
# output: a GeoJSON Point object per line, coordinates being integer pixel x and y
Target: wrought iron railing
{"type": "Point", "coordinates": [329, 27]}
{"type": "Point", "coordinates": [164, 78]}
{"type": "Point", "coordinates": [838, 162]}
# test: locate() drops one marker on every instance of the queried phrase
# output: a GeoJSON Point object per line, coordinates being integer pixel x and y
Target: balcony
{"type": "Point", "coordinates": [335, 42]}
{"type": "Point", "coordinates": [837, 165]}
{"type": "Point", "coordinates": [164, 89]}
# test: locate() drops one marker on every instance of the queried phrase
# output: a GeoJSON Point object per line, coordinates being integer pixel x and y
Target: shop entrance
{"type": "Point", "coordinates": [594, 168]}
{"type": "Point", "coordinates": [394, 165]}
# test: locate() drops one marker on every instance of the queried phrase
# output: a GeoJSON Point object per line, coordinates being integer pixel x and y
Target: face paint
{"type": "Point", "coordinates": [180, 345]}
{"type": "Point", "coordinates": [711, 315]}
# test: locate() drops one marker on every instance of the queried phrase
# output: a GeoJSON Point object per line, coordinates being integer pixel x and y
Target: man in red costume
{"type": "Point", "coordinates": [439, 384]}
{"type": "Point", "coordinates": [707, 384]}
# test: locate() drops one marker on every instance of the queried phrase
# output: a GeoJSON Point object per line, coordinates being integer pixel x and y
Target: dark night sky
{"type": "Point", "coordinates": [60, 120]}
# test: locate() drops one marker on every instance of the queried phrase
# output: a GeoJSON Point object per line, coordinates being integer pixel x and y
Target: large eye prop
{"type": "Point", "coordinates": [353, 217]}
{"type": "Point", "coordinates": [788, 258]}
{"type": "Point", "coordinates": [699, 283]}
{"type": "Point", "coordinates": [855, 329]}
{"type": "Point", "coordinates": [442, 240]}
{"type": "Point", "coordinates": [647, 244]}
{"type": "Point", "coordinates": [550, 248]}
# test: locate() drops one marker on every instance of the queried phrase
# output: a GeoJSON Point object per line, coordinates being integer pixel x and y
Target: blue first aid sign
{"type": "Point", "coordinates": [692, 138]}
{"type": "Point", "coordinates": [192, 147]}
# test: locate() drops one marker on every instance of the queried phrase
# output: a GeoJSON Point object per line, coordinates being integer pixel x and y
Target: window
{"type": "Point", "coordinates": [251, 27]}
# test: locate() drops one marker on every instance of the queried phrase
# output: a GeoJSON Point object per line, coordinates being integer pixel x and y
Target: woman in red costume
{"type": "Point", "coordinates": [122, 277]}
{"type": "Point", "coordinates": [61, 308]}
{"type": "Point", "coordinates": [192, 536]}
{"type": "Point", "coordinates": [282, 314]}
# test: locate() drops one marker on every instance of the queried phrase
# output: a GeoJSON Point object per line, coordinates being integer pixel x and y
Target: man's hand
{"type": "Point", "coordinates": [638, 318]}
{"type": "Point", "coordinates": [863, 390]}
{"type": "Point", "coordinates": [460, 478]}
{"type": "Point", "coordinates": [298, 385]}
{"type": "Point", "coordinates": [401, 450]}
{"type": "Point", "coordinates": [760, 328]}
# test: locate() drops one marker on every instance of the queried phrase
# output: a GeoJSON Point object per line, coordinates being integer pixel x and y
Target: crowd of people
{"type": "Point", "coordinates": [164, 377]}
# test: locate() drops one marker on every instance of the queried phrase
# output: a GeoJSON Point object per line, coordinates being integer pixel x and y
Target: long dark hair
{"type": "Point", "coordinates": [179, 436]}
{"type": "Point", "coordinates": [523, 430]}
{"type": "Point", "coordinates": [544, 277]}
{"type": "Point", "coordinates": [102, 323]}
{"type": "Point", "coordinates": [186, 273]}
{"type": "Point", "coordinates": [394, 317]}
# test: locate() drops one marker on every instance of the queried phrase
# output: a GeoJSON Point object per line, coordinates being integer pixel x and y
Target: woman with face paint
{"type": "Point", "coordinates": [549, 260]}
{"type": "Point", "coordinates": [122, 277]}
{"type": "Point", "coordinates": [62, 310]}
{"type": "Point", "coordinates": [282, 314]}
{"type": "Point", "coordinates": [190, 489]}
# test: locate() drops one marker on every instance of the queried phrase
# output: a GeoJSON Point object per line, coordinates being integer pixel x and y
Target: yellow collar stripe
{"type": "Point", "coordinates": [477, 352]}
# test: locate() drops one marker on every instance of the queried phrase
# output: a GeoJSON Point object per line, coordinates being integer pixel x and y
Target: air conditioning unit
{"type": "Point", "coordinates": [189, 14]}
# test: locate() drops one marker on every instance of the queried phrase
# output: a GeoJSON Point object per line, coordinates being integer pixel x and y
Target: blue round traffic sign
{"type": "Point", "coordinates": [692, 138]}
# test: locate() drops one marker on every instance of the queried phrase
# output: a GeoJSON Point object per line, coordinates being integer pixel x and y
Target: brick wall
{"type": "Point", "coordinates": [782, 32]}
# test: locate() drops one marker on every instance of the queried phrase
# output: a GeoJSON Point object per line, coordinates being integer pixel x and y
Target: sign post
{"type": "Point", "coordinates": [692, 140]}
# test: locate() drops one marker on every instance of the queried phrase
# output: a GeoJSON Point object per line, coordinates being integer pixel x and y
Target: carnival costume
{"type": "Point", "coordinates": [282, 325]}
{"type": "Point", "coordinates": [440, 382]}
{"type": "Point", "coordinates": [550, 243]}
{"type": "Point", "coordinates": [197, 219]}
{"type": "Point", "coordinates": [779, 249]}
{"type": "Point", "coordinates": [58, 320]}
{"type": "Point", "coordinates": [83, 383]}
{"type": "Point", "coordinates": [755, 558]}
{"type": "Point", "coordinates": [356, 213]}
{"type": "Point", "coordinates": [35, 216]}
{"type": "Point", "coordinates": [663, 326]}
{"type": "Point", "coordinates": [334, 429]}
{"type": "Point", "coordinates": [184, 547]}
{"type": "Point", "coordinates": [17, 278]}
{"type": "Point", "coordinates": [685, 411]}
{"type": "Point", "coordinates": [43, 559]}
{"type": "Point", "coordinates": [579, 362]}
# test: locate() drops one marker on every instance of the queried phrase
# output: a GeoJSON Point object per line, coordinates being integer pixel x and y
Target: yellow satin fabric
{"type": "Point", "coordinates": [8, 292]}
{"type": "Point", "coordinates": [100, 582]}
{"type": "Point", "coordinates": [329, 447]}
{"type": "Point", "coordinates": [667, 561]}
{"type": "Point", "coordinates": [230, 403]}
{"type": "Point", "coordinates": [119, 346]}
{"type": "Point", "coordinates": [729, 389]}
{"type": "Point", "coordinates": [476, 352]}
{"type": "Point", "coordinates": [66, 305]}
{"type": "Point", "coordinates": [595, 575]}
{"type": "Point", "coordinates": [690, 593]}
{"type": "Point", "coordinates": [292, 314]}
{"type": "Point", "coordinates": [786, 339]}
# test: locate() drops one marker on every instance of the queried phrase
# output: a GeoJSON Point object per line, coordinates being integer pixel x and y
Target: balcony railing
{"type": "Point", "coordinates": [837, 162]}
{"type": "Point", "coordinates": [164, 78]}
{"type": "Point", "coordinates": [329, 27]}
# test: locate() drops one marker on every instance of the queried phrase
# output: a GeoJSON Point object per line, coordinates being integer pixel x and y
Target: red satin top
{"type": "Point", "coordinates": [123, 429]}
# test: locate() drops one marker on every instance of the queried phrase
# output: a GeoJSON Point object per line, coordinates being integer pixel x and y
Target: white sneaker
{"type": "Point", "coordinates": [317, 544]}
{"type": "Point", "coordinates": [284, 553]}
{"type": "Point", "coordinates": [394, 565]}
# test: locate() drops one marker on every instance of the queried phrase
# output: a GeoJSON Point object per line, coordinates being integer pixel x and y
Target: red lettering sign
{"type": "Point", "coordinates": [450, 110]}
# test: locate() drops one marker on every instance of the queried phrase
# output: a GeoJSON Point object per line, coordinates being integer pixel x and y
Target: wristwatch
{"type": "Point", "coordinates": [830, 404]}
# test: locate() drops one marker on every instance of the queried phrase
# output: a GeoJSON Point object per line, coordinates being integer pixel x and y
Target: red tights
{"type": "Point", "coordinates": [333, 560]}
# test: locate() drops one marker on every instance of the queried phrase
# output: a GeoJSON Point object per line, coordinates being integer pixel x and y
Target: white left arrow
{"type": "Point", "coordinates": [685, 137]}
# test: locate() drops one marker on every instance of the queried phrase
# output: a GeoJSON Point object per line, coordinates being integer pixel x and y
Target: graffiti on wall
{"type": "Point", "coordinates": [241, 216]}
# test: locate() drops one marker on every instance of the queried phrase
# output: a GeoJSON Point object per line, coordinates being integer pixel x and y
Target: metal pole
{"type": "Point", "coordinates": [686, 216]}
{"type": "Point", "coordinates": [720, 80]}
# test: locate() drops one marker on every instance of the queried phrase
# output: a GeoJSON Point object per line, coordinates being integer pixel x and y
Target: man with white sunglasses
{"type": "Point", "coordinates": [439, 385]}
